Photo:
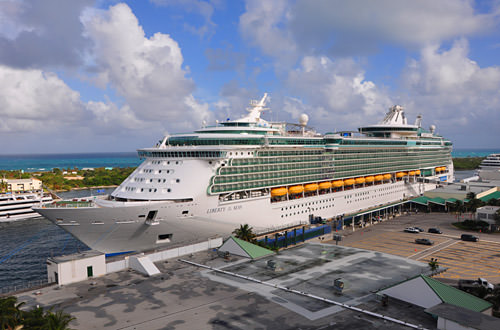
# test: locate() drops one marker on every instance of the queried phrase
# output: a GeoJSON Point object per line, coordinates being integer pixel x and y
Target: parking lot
{"type": "Point", "coordinates": [462, 259]}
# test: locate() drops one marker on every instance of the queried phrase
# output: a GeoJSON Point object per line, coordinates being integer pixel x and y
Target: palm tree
{"type": "Point", "coordinates": [245, 232]}
{"type": "Point", "coordinates": [11, 316]}
{"type": "Point", "coordinates": [58, 320]}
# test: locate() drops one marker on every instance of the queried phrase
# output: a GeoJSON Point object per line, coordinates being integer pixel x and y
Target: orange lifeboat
{"type": "Point", "coordinates": [379, 177]}
{"type": "Point", "coordinates": [311, 187]}
{"type": "Point", "coordinates": [443, 168]}
{"type": "Point", "coordinates": [438, 169]}
{"type": "Point", "coordinates": [349, 182]}
{"type": "Point", "coordinates": [360, 180]}
{"type": "Point", "coordinates": [276, 192]}
{"type": "Point", "coordinates": [387, 176]}
{"type": "Point", "coordinates": [411, 173]}
{"type": "Point", "coordinates": [296, 189]}
{"type": "Point", "coordinates": [417, 172]}
{"type": "Point", "coordinates": [325, 185]}
{"type": "Point", "coordinates": [401, 174]}
{"type": "Point", "coordinates": [369, 178]}
{"type": "Point", "coordinates": [338, 183]}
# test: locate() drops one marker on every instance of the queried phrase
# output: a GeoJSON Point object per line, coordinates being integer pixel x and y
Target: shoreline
{"type": "Point", "coordinates": [84, 188]}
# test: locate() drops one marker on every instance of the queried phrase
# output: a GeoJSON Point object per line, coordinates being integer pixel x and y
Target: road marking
{"type": "Point", "coordinates": [435, 251]}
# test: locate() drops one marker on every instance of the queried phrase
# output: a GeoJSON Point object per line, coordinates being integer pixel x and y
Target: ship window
{"type": "Point", "coordinates": [185, 212]}
{"type": "Point", "coordinates": [169, 190]}
{"type": "Point", "coordinates": [177, 180]}
{"type": "Point", "coordinates": [142, 215]}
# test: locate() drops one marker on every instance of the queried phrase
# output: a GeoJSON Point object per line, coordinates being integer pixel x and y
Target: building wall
{"type": "Point", "coordinates": [444, 324]}
{"type": "Point", "coordinates": [20, 185]}
{"type": "Point", "coordinates": [76, 270]}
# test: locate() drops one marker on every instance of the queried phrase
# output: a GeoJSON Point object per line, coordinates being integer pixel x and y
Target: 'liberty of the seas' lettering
{"type": "Point", "coordinates": [224, 209]}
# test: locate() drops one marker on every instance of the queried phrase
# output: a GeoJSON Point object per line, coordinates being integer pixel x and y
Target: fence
{"type": "Point", "coordinates": [295, 236]}
{"type": "Point", "coordinates": [23, 286]}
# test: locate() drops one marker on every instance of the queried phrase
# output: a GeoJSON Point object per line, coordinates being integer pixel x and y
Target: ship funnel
{"type": "Point", "coordinates": [418, 121]}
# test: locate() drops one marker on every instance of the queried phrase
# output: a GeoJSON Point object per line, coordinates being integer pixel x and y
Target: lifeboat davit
{"type": "Point", "coordinates": [369, 178]}
{"type": "Point", "coordinates": [387, 176]}
{"type": "Point", "coordinates": [338, 183]}
{"type": "Point", "coordinates": [401, 174]}
{"type": "Point", "coordinates": [379, 177]}
{"type": "Point", "coordinates": [276, 192]}
{"type": "Point", "coordinates": [311, 187]}
{"type": "Point", "coordinates": [417, 172]}
{"type": "Point", "coordinates": [349, 182]}
{"type": "Point", "coordinates": [325, 185]}
{"type": "Point", "coordinates": [360, 180]}
{"type": "Point", "coordinates": [296, 189]}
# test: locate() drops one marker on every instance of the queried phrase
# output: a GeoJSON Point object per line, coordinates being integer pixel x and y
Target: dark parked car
{"type": "Point", "coordinates": [435, 231]}
{"type": "Point", "coordinates": [424, 241]}
{"type": "Point", "coordinates": [469, 237]}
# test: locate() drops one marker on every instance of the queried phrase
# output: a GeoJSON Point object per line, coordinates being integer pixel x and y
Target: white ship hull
{"type": "Point", "coordinates": [124, 228]}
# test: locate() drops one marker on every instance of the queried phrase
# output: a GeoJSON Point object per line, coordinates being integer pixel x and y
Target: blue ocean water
{"type": "Point", "coordinates": [463, 153]}
{"type": "Point", "coordinates": [46, 162]}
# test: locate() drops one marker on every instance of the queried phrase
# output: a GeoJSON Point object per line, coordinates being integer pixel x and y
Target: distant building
{"type": "Point", "coordinates": [20, 185]}
{"type": "Point", "coordinates": [487, 213]}
{"type": "Point", "coordinates": [87, 169]}
{"type": "Point", "coordinates": [77, 177]}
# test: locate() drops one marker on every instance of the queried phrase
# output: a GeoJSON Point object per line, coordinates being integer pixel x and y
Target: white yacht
{"type": "Point", "coordinates": [18, 206]}
{"type": "Point", "coordinates": [490, 168]}
{"type": "Point", "coordinates": [265, 174]}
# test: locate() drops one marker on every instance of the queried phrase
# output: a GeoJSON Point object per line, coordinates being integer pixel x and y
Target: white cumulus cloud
{"type": "Point", "coordinates": [454, 91]}
{"type": "Point", "coordinates": [146, 72]}
{"type": "Point", "coordinates": [338, 91]}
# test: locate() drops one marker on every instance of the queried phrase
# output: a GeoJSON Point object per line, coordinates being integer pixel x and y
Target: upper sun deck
{"type": "Point", "coordinates": [252, 131]}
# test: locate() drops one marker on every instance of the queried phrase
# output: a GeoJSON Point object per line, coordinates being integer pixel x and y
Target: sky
{"type": "Point", "coordinates": [110, 76]}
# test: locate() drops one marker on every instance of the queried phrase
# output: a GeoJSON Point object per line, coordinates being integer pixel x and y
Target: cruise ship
{"type": "Point", "coordinates": [18, 206]}
{"type": "Point", "coordinates": [490, 168]}
{"type": "Point", "coordinates": [265, 174]}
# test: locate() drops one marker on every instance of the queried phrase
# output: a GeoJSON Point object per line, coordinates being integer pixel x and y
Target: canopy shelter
{"type": "Point", "coordinates": [243, 248]}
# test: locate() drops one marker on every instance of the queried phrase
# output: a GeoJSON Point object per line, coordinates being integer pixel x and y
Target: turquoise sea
{"type": "Point", "coordinates": [46, 162]}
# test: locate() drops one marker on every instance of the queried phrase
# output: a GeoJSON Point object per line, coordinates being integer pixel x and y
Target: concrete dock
{"type": "Point", "coordinates": [183, 296]}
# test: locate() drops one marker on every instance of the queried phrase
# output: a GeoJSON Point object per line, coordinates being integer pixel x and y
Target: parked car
{"type": "Point", "coordinates": [424, 241]}
{"type": "Point", "coordinates": [469, 237]}
{"type": "Point", "coordinates": [419, 229]}
{"type": "Point", "coordinates": [412, 230]}
{"type": "Point", "coordinates": [435, 231]}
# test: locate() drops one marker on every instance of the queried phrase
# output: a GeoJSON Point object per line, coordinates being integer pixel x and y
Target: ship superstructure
{"type": "Point", "coordinates": [490, 168]}
{"type": "Point", "coordinates": [262, 173]}
{"type": "Point", "coordinates": [17, 206]}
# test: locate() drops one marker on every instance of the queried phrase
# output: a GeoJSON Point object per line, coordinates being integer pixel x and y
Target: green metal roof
{"type": "Point", "coordinates": [493, 195]}
{"type": "Point", "coordinates": [451, 200]}
{"type": "Point", "coordinates": [421, 200]}
{"type": "Point", "coordinates": [438, 200]}
{"type": "Point", "coordinates": [254, 251]}
{"type": "Point", "coordinates": [456, 297]}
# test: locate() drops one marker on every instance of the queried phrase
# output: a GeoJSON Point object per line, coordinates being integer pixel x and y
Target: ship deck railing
{"type": "Point", "coordinates": [69, 204]}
